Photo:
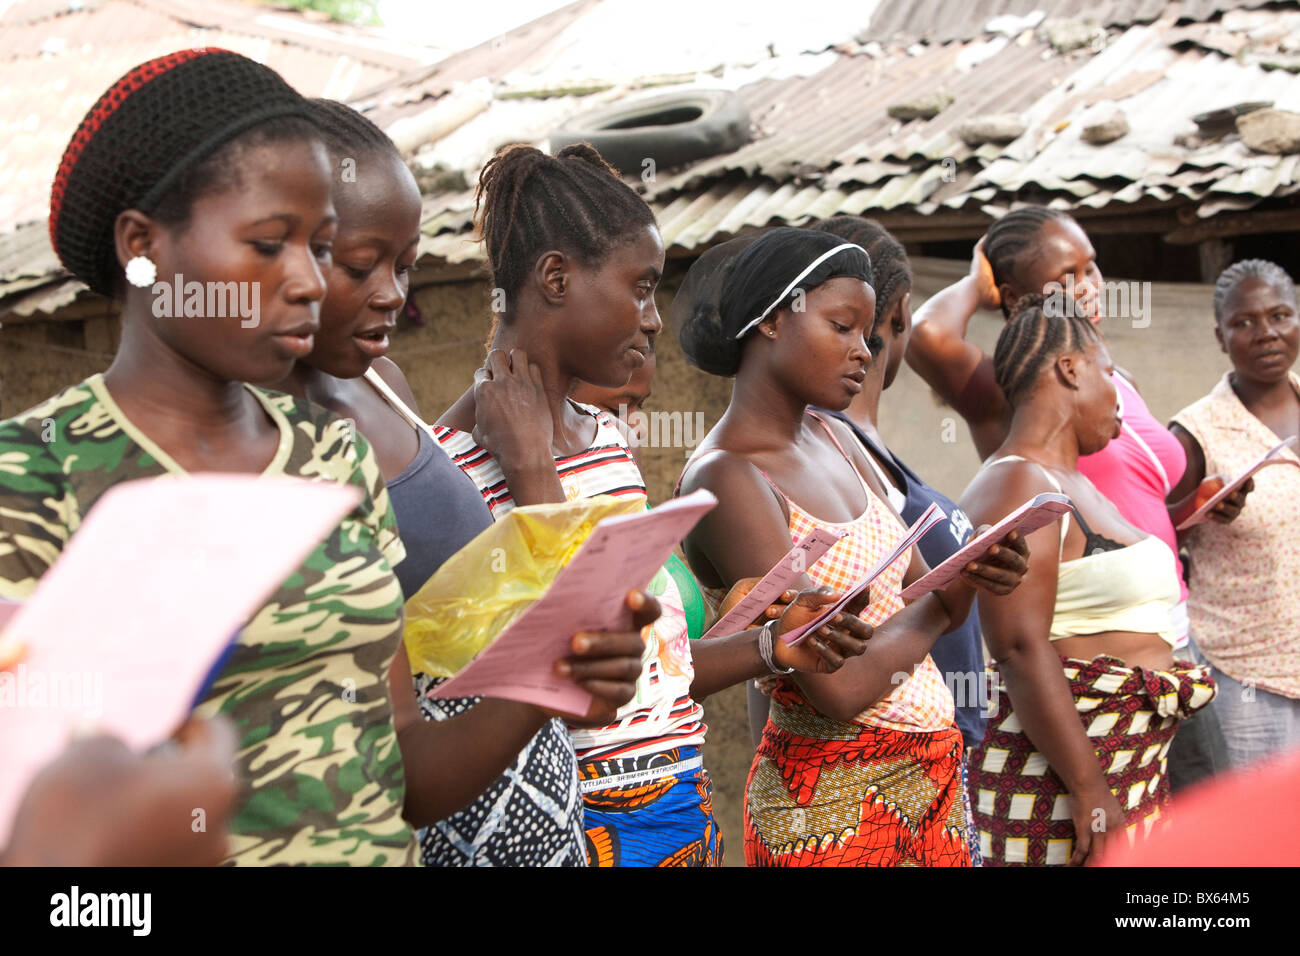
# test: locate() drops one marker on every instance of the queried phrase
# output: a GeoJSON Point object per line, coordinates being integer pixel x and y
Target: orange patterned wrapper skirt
{"type": "Point", "coordinates": [826, 793]}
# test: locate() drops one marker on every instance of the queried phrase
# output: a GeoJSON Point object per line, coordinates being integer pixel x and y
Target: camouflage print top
{"type": "Point", "coordinates": [306, 684]}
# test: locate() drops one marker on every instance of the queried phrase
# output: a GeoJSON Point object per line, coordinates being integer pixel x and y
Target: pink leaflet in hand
{"type": "Point", "coordinates": [122, 630]}
{"type": "Point", "coordinates": [589, 594]}
{"type": "Point", "coordinates": [1271, 457]}
{"type": "Point", "coordinates": [775, 583]}
{"type": "Point", "coordinates": [1033, 514]}
{"type": "Point", "coordinates": [932, 516]}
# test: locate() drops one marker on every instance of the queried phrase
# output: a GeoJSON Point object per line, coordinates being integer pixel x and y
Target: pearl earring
{"type": "Point", "coordinates": [141, 272]}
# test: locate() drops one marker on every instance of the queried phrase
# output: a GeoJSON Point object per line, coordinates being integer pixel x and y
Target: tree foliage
{"type": "Point", "coordinates": [350, 11]}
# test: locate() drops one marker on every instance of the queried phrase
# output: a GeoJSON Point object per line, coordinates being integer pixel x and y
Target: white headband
{"type": "Point", "coordinates": [797, 279]}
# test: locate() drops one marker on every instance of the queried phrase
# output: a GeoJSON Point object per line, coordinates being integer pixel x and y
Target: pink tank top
{"type": "Point", "coordinates": [1138, 469]}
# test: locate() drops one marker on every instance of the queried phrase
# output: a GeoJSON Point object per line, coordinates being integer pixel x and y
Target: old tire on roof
{"type": "Point", "coordinates": [672, 130]}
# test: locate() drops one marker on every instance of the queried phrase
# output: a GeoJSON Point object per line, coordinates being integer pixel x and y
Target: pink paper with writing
{"type": "Point", "coordinates": [622, 553]}
{"type": "Point", "coordinates": [1273, 456]}
{"type": "Point", "coordinates": [773, 584]}
{"type": "Point", "coordinates": [123, 629]}
{"type": "Point", "coordinates": [1033, 514]}
{"type": "Point", "coordinates": [932, 516]}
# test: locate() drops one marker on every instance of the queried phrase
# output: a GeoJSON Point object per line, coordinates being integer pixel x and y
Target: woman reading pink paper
{"type": "Point", "coordinates": [1244, 611]}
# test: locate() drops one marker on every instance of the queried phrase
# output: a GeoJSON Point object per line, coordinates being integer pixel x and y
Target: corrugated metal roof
{"type": "Point", "coordinates": [57, 57]}
{"type": "Point", "coordinates": [615, 41]}
{"type": "Point", "coordinates": [824, 143]}
{"type": "Point", "coordinates": [943, 21]}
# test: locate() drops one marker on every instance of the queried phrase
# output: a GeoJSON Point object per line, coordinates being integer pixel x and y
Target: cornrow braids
{"type": "Point", "coordinates": [1010, 237]}
{"type": "Point", "coordinates": [889, 262]}
{"type": "Point", "coordinates": [1239, 272]}
{"type": "Point", "coordinates": [1032, 339]}
{"type": "Point", "coordinates": [346, 131]}
{"type": "Point", "coordinates": [528, 202]}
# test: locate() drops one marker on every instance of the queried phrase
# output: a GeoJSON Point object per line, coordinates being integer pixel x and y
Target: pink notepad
{"type": "Point", "coordinates": [622, 553]}
{"type": "Point", "coordinates": [123, 629]}
{"type": "Point", "coordinates": [1273, 456]}
{"type": "Point", "coordinates": [775, 583]}
{"type": "Point", "coordinates": [1033, 514]}
{"type": "Point", "coordinates": [932, 516]}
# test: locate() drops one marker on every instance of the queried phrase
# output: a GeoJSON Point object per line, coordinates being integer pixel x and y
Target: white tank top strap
{"type": "Point", "coordinates": [1051, 479]}
{"type": "Point", "coordinates": [896, 497]}
{"type": "Point", "coordinates": [399, 406]}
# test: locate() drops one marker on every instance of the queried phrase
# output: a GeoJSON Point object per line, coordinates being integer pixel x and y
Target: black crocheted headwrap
{"type": "Point", "coordinates": [137, 142]}
{"type": "Point", "coordinates": [734, 283]}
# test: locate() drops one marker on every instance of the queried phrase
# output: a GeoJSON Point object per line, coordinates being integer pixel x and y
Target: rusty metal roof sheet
{"type": "Point", "coordinates": [943, 20]}
{"type": "Point", "coordinates": [824, 143]}
{"type": "Point", "coordinates": [58, 56]}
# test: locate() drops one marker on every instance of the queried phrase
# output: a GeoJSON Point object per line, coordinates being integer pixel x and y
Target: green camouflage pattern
{"type": "Point", "coordinates": [307, 681]}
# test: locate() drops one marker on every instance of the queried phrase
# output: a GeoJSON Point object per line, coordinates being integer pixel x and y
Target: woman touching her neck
{"type": "Point", "coordinates": [577, 256]}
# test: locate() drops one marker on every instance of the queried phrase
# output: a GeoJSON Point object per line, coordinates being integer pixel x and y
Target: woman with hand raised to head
{"type": "Point", "coordinates": [525, 815]}
{"type": "Point", "coordinates": [1033, 250]}
{"type": "Point", "coordinates": [1091, 695]}
{"type": "Point", "coordinates": [576, 257]}
{"type": "Point", "coordinates": [863, 766]}
{"type": "Point", "coordinates": [233, 189]}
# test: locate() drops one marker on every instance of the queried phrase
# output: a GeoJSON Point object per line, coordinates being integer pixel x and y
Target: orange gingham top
{"type": "Point", "coordinates": [923, 701]}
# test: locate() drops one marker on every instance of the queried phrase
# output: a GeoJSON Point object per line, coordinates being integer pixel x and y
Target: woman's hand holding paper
{"type": "Point", "coordinates": [101, 804]}
{"type": "Point", "coordinates": [1226, 511]}
{"type": "Point", "coordinates": [824, 651]}
{"type": "Point", "coordinates": [743, 587]}
{"type": "Point", "coordinates": [1002, 567]}
{"type": "Point", "coordinates": [607, 664]}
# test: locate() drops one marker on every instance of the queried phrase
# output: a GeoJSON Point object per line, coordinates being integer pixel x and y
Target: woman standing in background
{"type": "Point", "coordinates": [1244, 605]}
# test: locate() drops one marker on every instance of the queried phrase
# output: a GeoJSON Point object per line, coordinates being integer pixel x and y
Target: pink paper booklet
{"type": "Point", "coordinates": [773, 584]}
{"type": "Point", "coordinates": [1273, 456]}
{"type": "Point", "coordinates": [931, 517]}
{"type": "Point", "coordinates": [622, 553]}
{"type": "Point", "coordinates": [7, 610]}
{"type": "Point", "coordinates": [1033, 514]}
{"type": "Point", "coordinates": [122, 631]}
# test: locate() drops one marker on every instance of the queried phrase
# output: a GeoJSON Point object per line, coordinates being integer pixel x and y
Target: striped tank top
{"type": "Point", "coordinates": [662, 716]}
{"type": "Point", "coordinates": [921, 702]}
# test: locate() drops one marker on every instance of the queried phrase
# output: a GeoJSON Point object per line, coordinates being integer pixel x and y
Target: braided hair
{"type": "Point", "coordinates": [1032, 339]}
{"type": "Point", "coordinates": [528, 202]}
{"type": "Point", "coordinates": [1239, 272]}
{"type": "Point", "coordinates": [345, 130]}
{"type": "Point", "coordinates": [889, 263]}
{"type": "Point", "coordinates": [1011, 237]}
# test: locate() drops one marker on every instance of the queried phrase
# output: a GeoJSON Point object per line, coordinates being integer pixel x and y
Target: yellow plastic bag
{"type": "Point", "coordinates": [481, 589]}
